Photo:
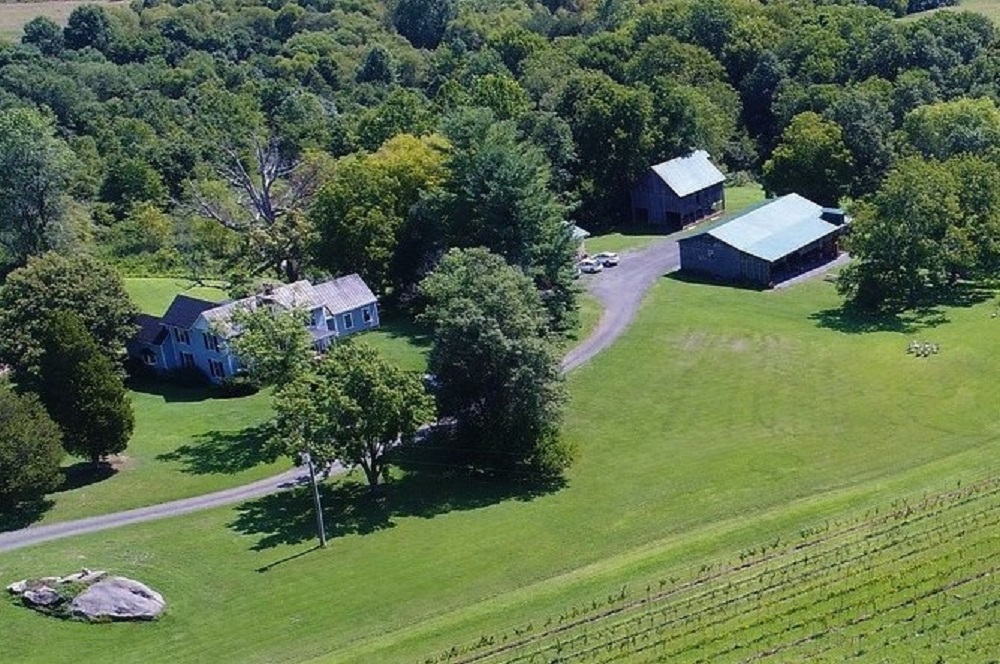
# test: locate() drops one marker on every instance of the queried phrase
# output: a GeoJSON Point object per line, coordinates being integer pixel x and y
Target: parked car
{"type": "Point", "coordinates": [590, 266]}
{"type": "Point", "coordinates": [606, 258]}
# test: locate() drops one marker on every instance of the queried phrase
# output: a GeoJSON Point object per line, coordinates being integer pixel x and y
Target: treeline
{"type": "Point", "coordinates": [235, 138]}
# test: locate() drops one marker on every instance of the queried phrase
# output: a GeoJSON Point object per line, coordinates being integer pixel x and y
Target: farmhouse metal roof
{"type": "Point", "coordinates": [344, 294]}
{"type": "Point", "coordinates": [776, 229]}
{"type": "Point", "coordinates": [337, 296]}
{"type": "Point", "coordinates": [299, 294]}
{"type": "Point", "coordinates": [686, 175]}
{"type": "Point", "coordinates": [184, 311]}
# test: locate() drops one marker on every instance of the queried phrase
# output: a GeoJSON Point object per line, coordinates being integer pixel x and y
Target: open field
{"type": "Point", "coordinates": [723, 421]}
{"type": "Point", "coordinates": [988, 8]}
{"type": "Point", "coordinates": [13, 15]}
{"type": "Point", "coordinates": [737, 200]}
{"type": "Point", "coordinates": [154, 294]}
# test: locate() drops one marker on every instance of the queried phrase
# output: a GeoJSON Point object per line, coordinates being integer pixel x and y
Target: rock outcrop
{"type": "Point", "coordinates": [117, 598]}
{"type": "Point", "coordinates": [90, 595]}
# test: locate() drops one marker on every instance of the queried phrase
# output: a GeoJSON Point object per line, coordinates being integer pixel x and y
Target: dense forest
{"type": "Point", "coordinates": [235, 138]}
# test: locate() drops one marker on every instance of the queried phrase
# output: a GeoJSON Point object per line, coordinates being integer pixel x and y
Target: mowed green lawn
{"type": "Point", "coordinates": [737, 199]}
{"type": "Point", "coordinates": [154, 294]}
{"type": "Point", "coordinates": [722, 419]}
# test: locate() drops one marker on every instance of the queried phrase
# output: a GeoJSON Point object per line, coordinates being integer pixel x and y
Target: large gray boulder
{"type": "Point", "coordinates": [117, 598]}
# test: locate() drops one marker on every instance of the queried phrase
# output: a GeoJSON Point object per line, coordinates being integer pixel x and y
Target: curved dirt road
{"type": "Point", "coordinates": [620, 290]}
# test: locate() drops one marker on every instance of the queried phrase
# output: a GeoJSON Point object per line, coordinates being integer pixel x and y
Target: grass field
{"type": "Point", "coordinates": [988, 8]}
{"type": "Point", "coordinates": [737, 200]}
{"type": "Point", "coordinates": [723, 421]}
{"type": "Point", "coordinates": [14, 15]}
{"type": "Point", "coordinates": [154, 294]}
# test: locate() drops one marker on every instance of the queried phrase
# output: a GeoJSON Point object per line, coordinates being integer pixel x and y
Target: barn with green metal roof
{"type": "Point", "coordinates": [766, 244]}
{"type": "Point", "coordinates": [679, 192]}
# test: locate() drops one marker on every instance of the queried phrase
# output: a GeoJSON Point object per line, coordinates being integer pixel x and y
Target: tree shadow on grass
{"type": "Point", "coordinates": [173, 393]}
{"type": "Point", "coordinates": [397, 326]}
{"type": "Point", "coordinates": [425, 487]}
{"type": "Point", "coordinates": [850, 319]}
{"type": "Point", "coordinates": [224, 452]}
{"type": "Point", "coordinates": [84, 474]}
{"type": "Point", "coordinates": [23, 514]}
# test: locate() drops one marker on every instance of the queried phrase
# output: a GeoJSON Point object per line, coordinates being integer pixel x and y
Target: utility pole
{"type": "Point", "coordinates": [321, 527]}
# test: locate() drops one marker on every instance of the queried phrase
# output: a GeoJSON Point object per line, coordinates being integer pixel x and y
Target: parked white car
{"type": "Point", "coordinates": [606, 258]}
{"type": "Point", "coordinates": [590, 266]}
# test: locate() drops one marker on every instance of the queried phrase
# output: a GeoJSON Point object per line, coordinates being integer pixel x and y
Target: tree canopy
{"type": "Point", "coordinates": [355, 407]}
{"type": "Point", "coordinates": [30, 448]}
{"type": "Point", "coordinates": [35, 172]}
{"type": "Point", "coordinates": [226, 118]}
{"type": "Point", "coordinates": [494, 365]}
{"type": "Point", "coordinates": [928, 225]}
{"type": "Point", "coordinates": [82, 390]}
{"type": "Point", "coordinates": [55, 284]}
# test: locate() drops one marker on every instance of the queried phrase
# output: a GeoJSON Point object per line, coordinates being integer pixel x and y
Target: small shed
{"type": "Point", "coordinates": [771, 242]}
{"type": "Point", "coordinates": [679, 192]}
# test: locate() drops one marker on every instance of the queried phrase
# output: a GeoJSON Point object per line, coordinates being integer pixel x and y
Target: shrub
{"type": "Point", "coordinates": [239, 385]}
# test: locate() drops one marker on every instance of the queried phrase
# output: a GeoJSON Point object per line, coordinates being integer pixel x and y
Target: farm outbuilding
{"type": "Point", "coordinates": [767, 244]}
{"type": "Point", "coordinates": [679, 192]}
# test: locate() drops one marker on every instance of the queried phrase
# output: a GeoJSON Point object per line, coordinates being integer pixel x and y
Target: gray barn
{"type": "Point", "coordinates": [766, 244]}
{"type": "Point", "coordinates": [679, 192]}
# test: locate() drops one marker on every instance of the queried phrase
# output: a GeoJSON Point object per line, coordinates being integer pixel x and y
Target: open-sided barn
{"type": "Point", "coordinates": [766, 244]}
{"type": "Point", "coordinates": [679, 192]}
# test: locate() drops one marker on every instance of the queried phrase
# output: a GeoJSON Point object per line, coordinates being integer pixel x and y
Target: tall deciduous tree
{"type": "Point", "coordinates": [929, 224]}
{"type": "Point", "coordinates": [499, 197]}
{"type": "Point", "coordinates": [44, 34]}
{"type": "Point", "coordinates": [272, 344]}
{"type": "Point", "coordinates": [811, 160]}
{"type": "Point", "coordinates": [423, 21]}
{"type": "Point", "coordinates": [362, 214]}
{"type": "Point", "coordinates": [354, 408]}
{"type": "Point", "coordinates": [88, 25]}
{"type": "Point", "coordinates": [263, 196]}
{"type": "Point", "coordinates": [35, 170]}
{"type": "Point", "coordinates": [54, 283]}
{"type": "Point", "coordinates": [865, 117]}
{"type": "Point", "coordinates": [610, 125]}
{"type": "Point", "coordinates": [951, 128]}
{"type": "Point", "coordinates": [497, 372]}
{"type": "Point", "coordinates": [82, 390]}
{"type": "Point", "coordinates": [30, 448]}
